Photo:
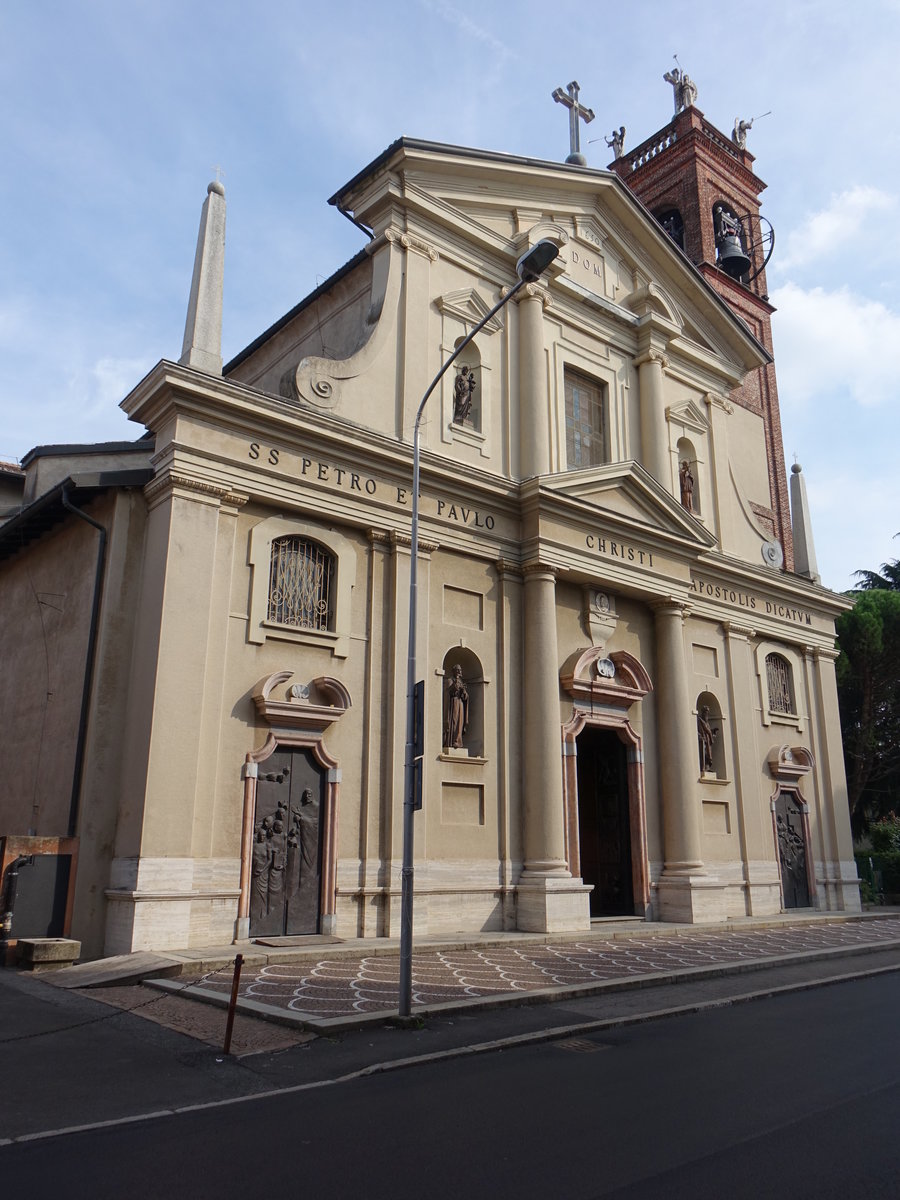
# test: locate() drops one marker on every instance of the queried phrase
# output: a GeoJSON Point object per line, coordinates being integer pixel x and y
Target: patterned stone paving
{"type": "Point", "coordinates": [337, 987]}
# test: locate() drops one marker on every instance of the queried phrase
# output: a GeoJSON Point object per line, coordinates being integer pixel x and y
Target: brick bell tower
{"type": "Point", "coordinates": [699, 184]}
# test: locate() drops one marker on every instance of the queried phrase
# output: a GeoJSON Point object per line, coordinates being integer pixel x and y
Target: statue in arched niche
{"type": "Point", "coordinates": [463, 394]}
{"type": "Point", "coordinates": [706, 737]}
{"type": "Point", "coordinates": [457, 718]}
{"type": "Point", "coordinates": [686, 483]}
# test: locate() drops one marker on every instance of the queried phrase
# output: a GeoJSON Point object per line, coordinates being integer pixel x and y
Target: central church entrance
{"type": "Point", "coordinates": [604, 822]}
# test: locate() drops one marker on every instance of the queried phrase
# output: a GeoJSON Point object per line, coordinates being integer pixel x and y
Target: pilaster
{"type": "Point", "coordinates": [841, 892]}
{"type": "Point", "coordinates": [686, 892]}
{"type": "Point", "coordinates": [534, 409]}
{"type": "Point", "coordinates": [654, 430]}
{"type": "Point", "coordinates": [760, 869]}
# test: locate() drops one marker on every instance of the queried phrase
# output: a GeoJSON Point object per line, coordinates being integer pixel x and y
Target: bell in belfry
{"type": "Point", "coordinates": [731, 255]}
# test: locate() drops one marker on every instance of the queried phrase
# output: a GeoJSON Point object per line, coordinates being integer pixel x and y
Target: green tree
{"type": "Point", "coordinates": [887, 579]}
{"type": "Point", "coordinates": [868, 674]}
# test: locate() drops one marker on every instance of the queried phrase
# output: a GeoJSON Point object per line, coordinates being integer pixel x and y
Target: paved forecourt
{"type": "Point", "coordinates": [347, 990]}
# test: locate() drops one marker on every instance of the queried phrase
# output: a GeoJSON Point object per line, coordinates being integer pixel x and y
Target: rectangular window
{"type": "Point", "coordinates": [585, 434]}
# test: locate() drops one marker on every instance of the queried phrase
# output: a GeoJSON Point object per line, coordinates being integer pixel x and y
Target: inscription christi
{"type": "Point", "coordinates": [621, 550]}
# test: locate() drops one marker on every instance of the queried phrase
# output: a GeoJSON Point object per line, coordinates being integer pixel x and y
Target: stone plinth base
{"type": "Point", "coordinates": [553, 904]}
{"type": "Point", "coordinates": [47, 954]}
{"type": "Point", "coordinates": [692, 899]}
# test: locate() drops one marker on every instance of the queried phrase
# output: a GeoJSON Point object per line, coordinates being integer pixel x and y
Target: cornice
{"type": "Point", "coordinates": [173, 483]}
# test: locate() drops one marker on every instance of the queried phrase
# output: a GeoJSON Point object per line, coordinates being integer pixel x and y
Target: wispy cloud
{"type": "Point", "coordinates": [105, 383]}
{"type": "Point", "coordinates": [467, 26]}
{"type": "Point", "coordinates": [825, 233]}
{"type": "Point", "coordinates": [829, 342]}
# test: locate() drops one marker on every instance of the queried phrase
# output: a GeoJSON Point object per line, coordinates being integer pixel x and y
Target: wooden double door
{"type": "Point", "coordinates": [604, 822]}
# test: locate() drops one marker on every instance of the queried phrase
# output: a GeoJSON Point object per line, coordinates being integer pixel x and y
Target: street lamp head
{"type": "Point", "coordinates": [535, 261]}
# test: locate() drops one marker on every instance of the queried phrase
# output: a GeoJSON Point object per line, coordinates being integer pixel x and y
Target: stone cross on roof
{"type": "Point", "coordinates": [576, 111]}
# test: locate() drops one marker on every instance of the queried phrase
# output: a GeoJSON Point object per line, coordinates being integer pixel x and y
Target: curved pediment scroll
{"type": "Point", "coordinates": [595, 677]}
{"type": "Point", "coordinates": [310, 707]}
{"type": "Point", "coordinates": [788, 764]}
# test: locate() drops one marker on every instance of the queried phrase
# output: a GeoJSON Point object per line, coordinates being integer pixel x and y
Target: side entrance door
{"type": "Point", "coordinates": [791, 851]}
{"type": "Point", "coordinates": [604, 822]}
{"type": "Point", "coordinates": [285, 891]}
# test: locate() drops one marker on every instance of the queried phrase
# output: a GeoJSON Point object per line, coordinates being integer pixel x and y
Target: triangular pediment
{"type": "Point", "coordinates": [690, 415]}
{"type": "Point", "coordinates": [629, 493]}
{"type": "Point", "coordinates": [467, 306]}
{"type": "Point", "coordinates": [611, 249]}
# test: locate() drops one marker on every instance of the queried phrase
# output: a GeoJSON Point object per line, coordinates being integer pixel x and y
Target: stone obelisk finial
{"type": "Point", "coordinates": [203, 328]}
{"type": "Point", "coordinates": [801, 528]}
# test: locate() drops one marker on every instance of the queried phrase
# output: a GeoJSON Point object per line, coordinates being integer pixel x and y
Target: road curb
{"type": "Point", "coordinates": [514, 1041]}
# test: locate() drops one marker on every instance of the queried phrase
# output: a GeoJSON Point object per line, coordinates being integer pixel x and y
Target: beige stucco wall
{"type": "Point", "coordinates": [43, 639]}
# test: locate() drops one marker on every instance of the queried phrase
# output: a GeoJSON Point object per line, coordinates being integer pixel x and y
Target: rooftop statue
{"type": "Point", "coordinates": [617, 141]}
{"type": "Point", "coordinates": [740, 131]}
{"type": "Point", "coordinates": [683, 86]}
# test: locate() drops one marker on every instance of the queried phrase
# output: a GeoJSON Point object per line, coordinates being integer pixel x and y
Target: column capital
{"type": "Point", "coordinates": [825, 654]}
{"type": "Point", "coordinates": [736, 632]}
{"type": "Point", "coordinates": [506, 566]}
{"type": "Point", "coordinates": [672, 606]}
{"type": "Point", "coordinates": [535, 567]}
{"type": "Point", "coordinates": [532, 291]}
{"type": "Point", "coordinates": [403, 541]}
{"type": "Point", "coordinates": [715, 400]}
{"type": "Point", "coordinates": [652, 356]}
{"type": "Point", "coordinates": [410, 242]}
{"type": "Point", "coordinates": [169, 483]}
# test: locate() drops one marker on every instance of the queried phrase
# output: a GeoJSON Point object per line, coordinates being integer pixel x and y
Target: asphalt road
{"type": "Point", "coordinates": [793, 1096]}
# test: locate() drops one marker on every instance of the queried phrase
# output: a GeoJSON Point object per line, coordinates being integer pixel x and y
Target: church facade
{"type": "Point", "coordinates": [629, 695]}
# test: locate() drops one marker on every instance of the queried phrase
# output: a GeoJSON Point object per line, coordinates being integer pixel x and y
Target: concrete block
{"type": "Point", "coordinates": [47, 954]}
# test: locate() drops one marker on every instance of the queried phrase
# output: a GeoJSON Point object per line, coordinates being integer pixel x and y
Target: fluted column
{"type": "Point", "coordinates": [534, 408]}
{"type": "Point", "coordinates": [544, 833]}
{"type": "Point", "coordinates": [654, 430]}
{"type": "Point", "coordinates": [677, 746]}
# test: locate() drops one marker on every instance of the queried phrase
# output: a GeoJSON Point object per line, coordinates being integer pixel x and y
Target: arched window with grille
{"type": "Point", "coordinates": [781, 685]}
{"type": "Point", "coordinates": [301, 584]}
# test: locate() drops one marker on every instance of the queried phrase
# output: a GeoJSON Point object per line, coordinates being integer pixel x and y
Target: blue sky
{"type": "Point", "coordinates": [112, 116]}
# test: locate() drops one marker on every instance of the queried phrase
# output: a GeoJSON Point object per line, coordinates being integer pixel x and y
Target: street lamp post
{"type": "Point", "coordinates": [529, 269]}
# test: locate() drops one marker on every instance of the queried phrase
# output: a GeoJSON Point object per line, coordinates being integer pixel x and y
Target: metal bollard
{"type": "Point", "coordinates": [232, 1004]}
